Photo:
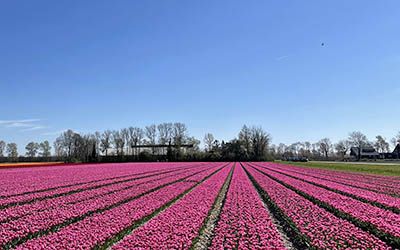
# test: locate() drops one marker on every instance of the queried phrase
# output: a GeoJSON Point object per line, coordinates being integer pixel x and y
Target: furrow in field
{"type": "Point", "coordinates": [31, 198]}
{"type": "Point", "coordinates": [101, 228]}
{"type": "Point", "coordinates": [378, 200]}
{"type": "Point", "coordinates": [308, 225]}
{"type": "Point", "coordinates": [177, 226]}
{"type": "Point", "coordinates": [382, 223]}
{"type": "Point", "coordinates": [244, 222]}
{"type": "Point", "coordinates": [39, 224]}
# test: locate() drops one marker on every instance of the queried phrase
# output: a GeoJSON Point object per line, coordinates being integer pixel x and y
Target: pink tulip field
{"type": "Point", "coordinates": [196, 205]}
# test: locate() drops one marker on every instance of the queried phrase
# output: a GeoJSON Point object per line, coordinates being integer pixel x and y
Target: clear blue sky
{"type": "Point", "coordinates": [214, 65]}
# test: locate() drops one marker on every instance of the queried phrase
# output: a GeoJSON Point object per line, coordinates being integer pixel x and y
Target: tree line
{"type": "Point", "coordinates": [172, 142]}
{"type": "Point", "coordinates": [33, 149]}
{"type": "Point", "coordinates": [165, 141]}
{"type": "Point", "coordinates": [325, 149]}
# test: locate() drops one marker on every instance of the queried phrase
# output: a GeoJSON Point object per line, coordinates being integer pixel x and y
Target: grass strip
{"type": "Point", "coordinates": [384, 170]}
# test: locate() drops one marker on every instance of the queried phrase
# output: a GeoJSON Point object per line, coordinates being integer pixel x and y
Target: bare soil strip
{"type": "Point", "coordinates": [18, 241]}
{"type": "Point", "coordinates": [136, 224]}
{"type": "Point", "coordinates": [206, 233]}
{"type": "Point", "coordinates": [30, 164]}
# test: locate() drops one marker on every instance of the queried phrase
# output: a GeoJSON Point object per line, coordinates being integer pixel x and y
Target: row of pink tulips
{"type": "Point", "coordinates": [384, 220]}
{"type": "Point", "coordinates": [244, 221]}
{"type": "Point", "coordinates": [324, 230]}
{"type": "Point", "coordinates": [177, 227]}
{"type": "Point", "coordinates": [41, 221]}
{"type": "Point", "coordinates": [383, 199]}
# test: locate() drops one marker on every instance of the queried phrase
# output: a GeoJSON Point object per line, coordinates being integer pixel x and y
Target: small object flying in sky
{"type": "Point", "coordinates": [322, 44]}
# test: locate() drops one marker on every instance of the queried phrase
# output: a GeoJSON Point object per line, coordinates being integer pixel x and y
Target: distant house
{"type": "Point", "coordinates": [365, 153]}
{"type": "Point", "coordinates": [396, 152]}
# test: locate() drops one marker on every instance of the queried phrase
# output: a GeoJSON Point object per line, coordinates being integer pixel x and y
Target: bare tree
{"type": "Point", "coordinates": [2, 148]}
{"type": "Point", "coordinates": [381, 145]}
{"type": "Point", "coordinates": [32, 149]}
{"type": "Point", "coordinates": [260, 141]}
{"type": "Point", "coordinates": [59, 150]}
{"type": "Point", "coordinates": [245, 139]}
{"type": "Point", "coordinates": [97, 136]}
{"type": "Point", "coordinates": [151, 134]}
{"type": "Point", "coordinates": [164, 133]}
{"type": "Point", "coordinates": [12, 150]}
{"type": "Point", "coordinates": [66, 144]}
{"type": "Point", "coordinates": [69, 141]}
{"type": "Point", "coordinates": [71, 145]}
{"type": "Point", "coordinates": [195, 143]}
{"type": "Point", "coordinates": [342, 147]}
{"type": "Point", "coordinates": [307, 145]}
{"type": "Point", "coordinates": [281, 149]}
{"type": "Point", "coordinates": [125, 136]}
{"type": "Point", "coordinates": [44, 149]}
{"type": "Point", "coordinates": [359, 140]}
{"type": "Point", "coordinates": [105, 141]}
{"type": "Point", "coordinates": [136, 136]}
{"type": "Point", "coordinates": [315, 150]}
{"type": "Point", "coordinates": [179, 133]}
{"type": "Point", "coordinates": [395, 140]}
{"type": "Point", "coordinates": [208, 141]}
{"type": "Point", "coordinates": [118, 142]}
{"type": "Point", "coordinates": [273, 149]}
{"type": "Point", "coordinates": [325, 146]}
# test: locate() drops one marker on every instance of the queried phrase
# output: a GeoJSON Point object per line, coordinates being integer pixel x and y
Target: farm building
{"type": "Point", "coordinates": [365, 153]}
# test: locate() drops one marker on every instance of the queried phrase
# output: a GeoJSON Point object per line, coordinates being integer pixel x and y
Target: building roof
{"type": "Point", "coordinates": [396, 149]}
{"type": "Point", "coordinates": [366, 151]}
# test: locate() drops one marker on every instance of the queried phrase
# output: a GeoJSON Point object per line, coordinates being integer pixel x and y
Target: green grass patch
{"type": "Point", "coordinates": [368, 168]}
